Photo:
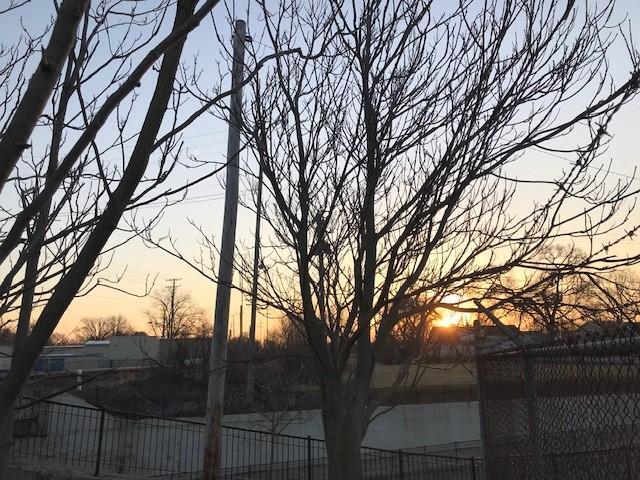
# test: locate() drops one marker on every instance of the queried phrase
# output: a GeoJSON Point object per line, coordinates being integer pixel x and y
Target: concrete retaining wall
{"type": "Point", "coordinates": [161, 446]}
{"type": "Point", "coordinates": [405, 426]}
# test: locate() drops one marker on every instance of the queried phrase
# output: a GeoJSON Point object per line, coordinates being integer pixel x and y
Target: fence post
{"type": "Point", "coordinates": [400, 466]}
{"type": "Point", "coordinates": [482, 404]}
{"type": "Point", "coordinates": [308, 457]}
{"type": "Point", "coordinates": [532, 416]}
{"type": "Point", "coordinates": [473, 468]}
{"type": "Point", "coordinates": [101, 431]}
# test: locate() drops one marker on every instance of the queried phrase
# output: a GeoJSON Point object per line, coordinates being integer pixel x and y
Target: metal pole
{"type": "Point", "coordinates": [217, 365]}
{"type": "Point", "coordinates": [482, 402]}
{"type": "Point", "coordinates": [308, 458]}
{"type": "Point", "coordinates": [532, 416]}
{"type": "Point", "coordinates": [400, 466]}
{"type": "Point", "coordinates": [254, 294]}
{"type": "Point", "coordinates": [100, 435]}
{"type": "Point", "coordinates": [170, 328]}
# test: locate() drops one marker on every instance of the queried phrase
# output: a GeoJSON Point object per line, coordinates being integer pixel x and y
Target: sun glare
{"type": "Point", "coordinates": [446, 319]}
{"type": "Point", "coordinates": [449, 318]}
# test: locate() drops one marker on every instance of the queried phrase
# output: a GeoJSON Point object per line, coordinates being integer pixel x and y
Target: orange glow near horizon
{"type": "Point", "coordinates": [450, 318]}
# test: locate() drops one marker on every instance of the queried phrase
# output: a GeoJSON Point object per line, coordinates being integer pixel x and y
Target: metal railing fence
{"type": "Point", "coordinates": [567, 410]}
{"type": "Point", "coordinates": [465, 448]}
{"type": "Point", "coordinates": [106, 441]}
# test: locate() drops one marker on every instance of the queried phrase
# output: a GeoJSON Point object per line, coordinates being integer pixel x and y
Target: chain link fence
{"type": "Point", "coordinates": [105, 441]}
{"type": "Point", "coordinates": [568, 410]}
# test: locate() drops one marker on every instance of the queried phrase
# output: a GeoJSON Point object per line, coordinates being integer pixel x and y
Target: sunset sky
{"type": "Point", "coordinates": [206, 139]}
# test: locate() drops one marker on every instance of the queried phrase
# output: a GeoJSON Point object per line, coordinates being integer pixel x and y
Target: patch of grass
{"type": "Point", "coordinates": [435, 375]}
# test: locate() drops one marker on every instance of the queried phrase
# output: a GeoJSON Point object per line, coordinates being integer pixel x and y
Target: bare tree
{"type": "Point", "coordinates": [392, 163]}
{"type": "Point", "coordinates": [58, 338]}
{"type": "Point", "coordinates": [16, 135]}
{"type": "Point", "coordinates": [202, 351]}
{"type": "Point", "coordinates": [72, 180]}
{"type": "Point", "coordinates": [615, 297]}
{"type": "Point", "coordinates": [103, 328]}
{"type": "Point", "coordinates": [173, 314]}
{"type": "Point", "coordinates": [556, 298]}
{"type": "Point", "coordinates": [6, 335]}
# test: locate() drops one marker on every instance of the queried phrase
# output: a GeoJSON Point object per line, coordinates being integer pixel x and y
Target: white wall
{"type": "Point", "coordinates": [416, 425]}
{"type": "Point", "coordinates": [168, 446]}
{"type": "Point", "coordinates": [5, 357]}
{"type": "Point", "coordinates": [405, 426]}
{"type": "Point", "coordinates": [133, 349]}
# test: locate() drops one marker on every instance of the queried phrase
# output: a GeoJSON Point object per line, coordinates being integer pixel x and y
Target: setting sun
{"type": "Point", "coordinates": [449, 318]}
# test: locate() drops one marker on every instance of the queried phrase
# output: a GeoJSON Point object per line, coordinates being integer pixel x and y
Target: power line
{"type": "Point", "coordinates": [191, 200]}
{"type": "Point", "coordinates": [570, 160]}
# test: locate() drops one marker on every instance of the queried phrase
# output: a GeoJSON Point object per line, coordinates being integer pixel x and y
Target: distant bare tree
{"type": "Point", "coordinates": [173, 314]}
{"type": "Point", "coordinates": [615, 297]}
{"type": "Point", "coordinates": [393, 160]}
{"type": "Point", "coordinates": [58, 338]}
{"type": "Point", "coordinates": [103, 328]}
{"type": "Point", "coordinates": [555, 298]}
{"type": "Point", "coordinates": [6, 335]}
{"type": "Point", "coordinates": [407, 342]}
{"type": "Point", "coordinates": [202, 350]}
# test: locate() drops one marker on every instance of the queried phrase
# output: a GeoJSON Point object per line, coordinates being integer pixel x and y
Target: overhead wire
{"type": "Point", "coordinates": [592, 167]}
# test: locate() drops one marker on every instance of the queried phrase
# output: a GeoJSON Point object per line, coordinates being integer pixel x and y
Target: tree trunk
{"type": "Point", "coordinates": [344, 419]}
{"type": "Point", "coordinates": [13, 236]}
{"type": "Point", "coordinates": [68, 286]}
{"type": "Point", "coordinates": [6, 438]}
{"type": "Point", "coordinates": [41, 85]}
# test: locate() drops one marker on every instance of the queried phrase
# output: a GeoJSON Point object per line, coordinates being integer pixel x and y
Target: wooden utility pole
{"type": "Point", "coordinates": [218, 358]}
{"type": "Point", "coordinates": [251, 368]}
{"type": "Point", "coordinates": [170, 322]}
